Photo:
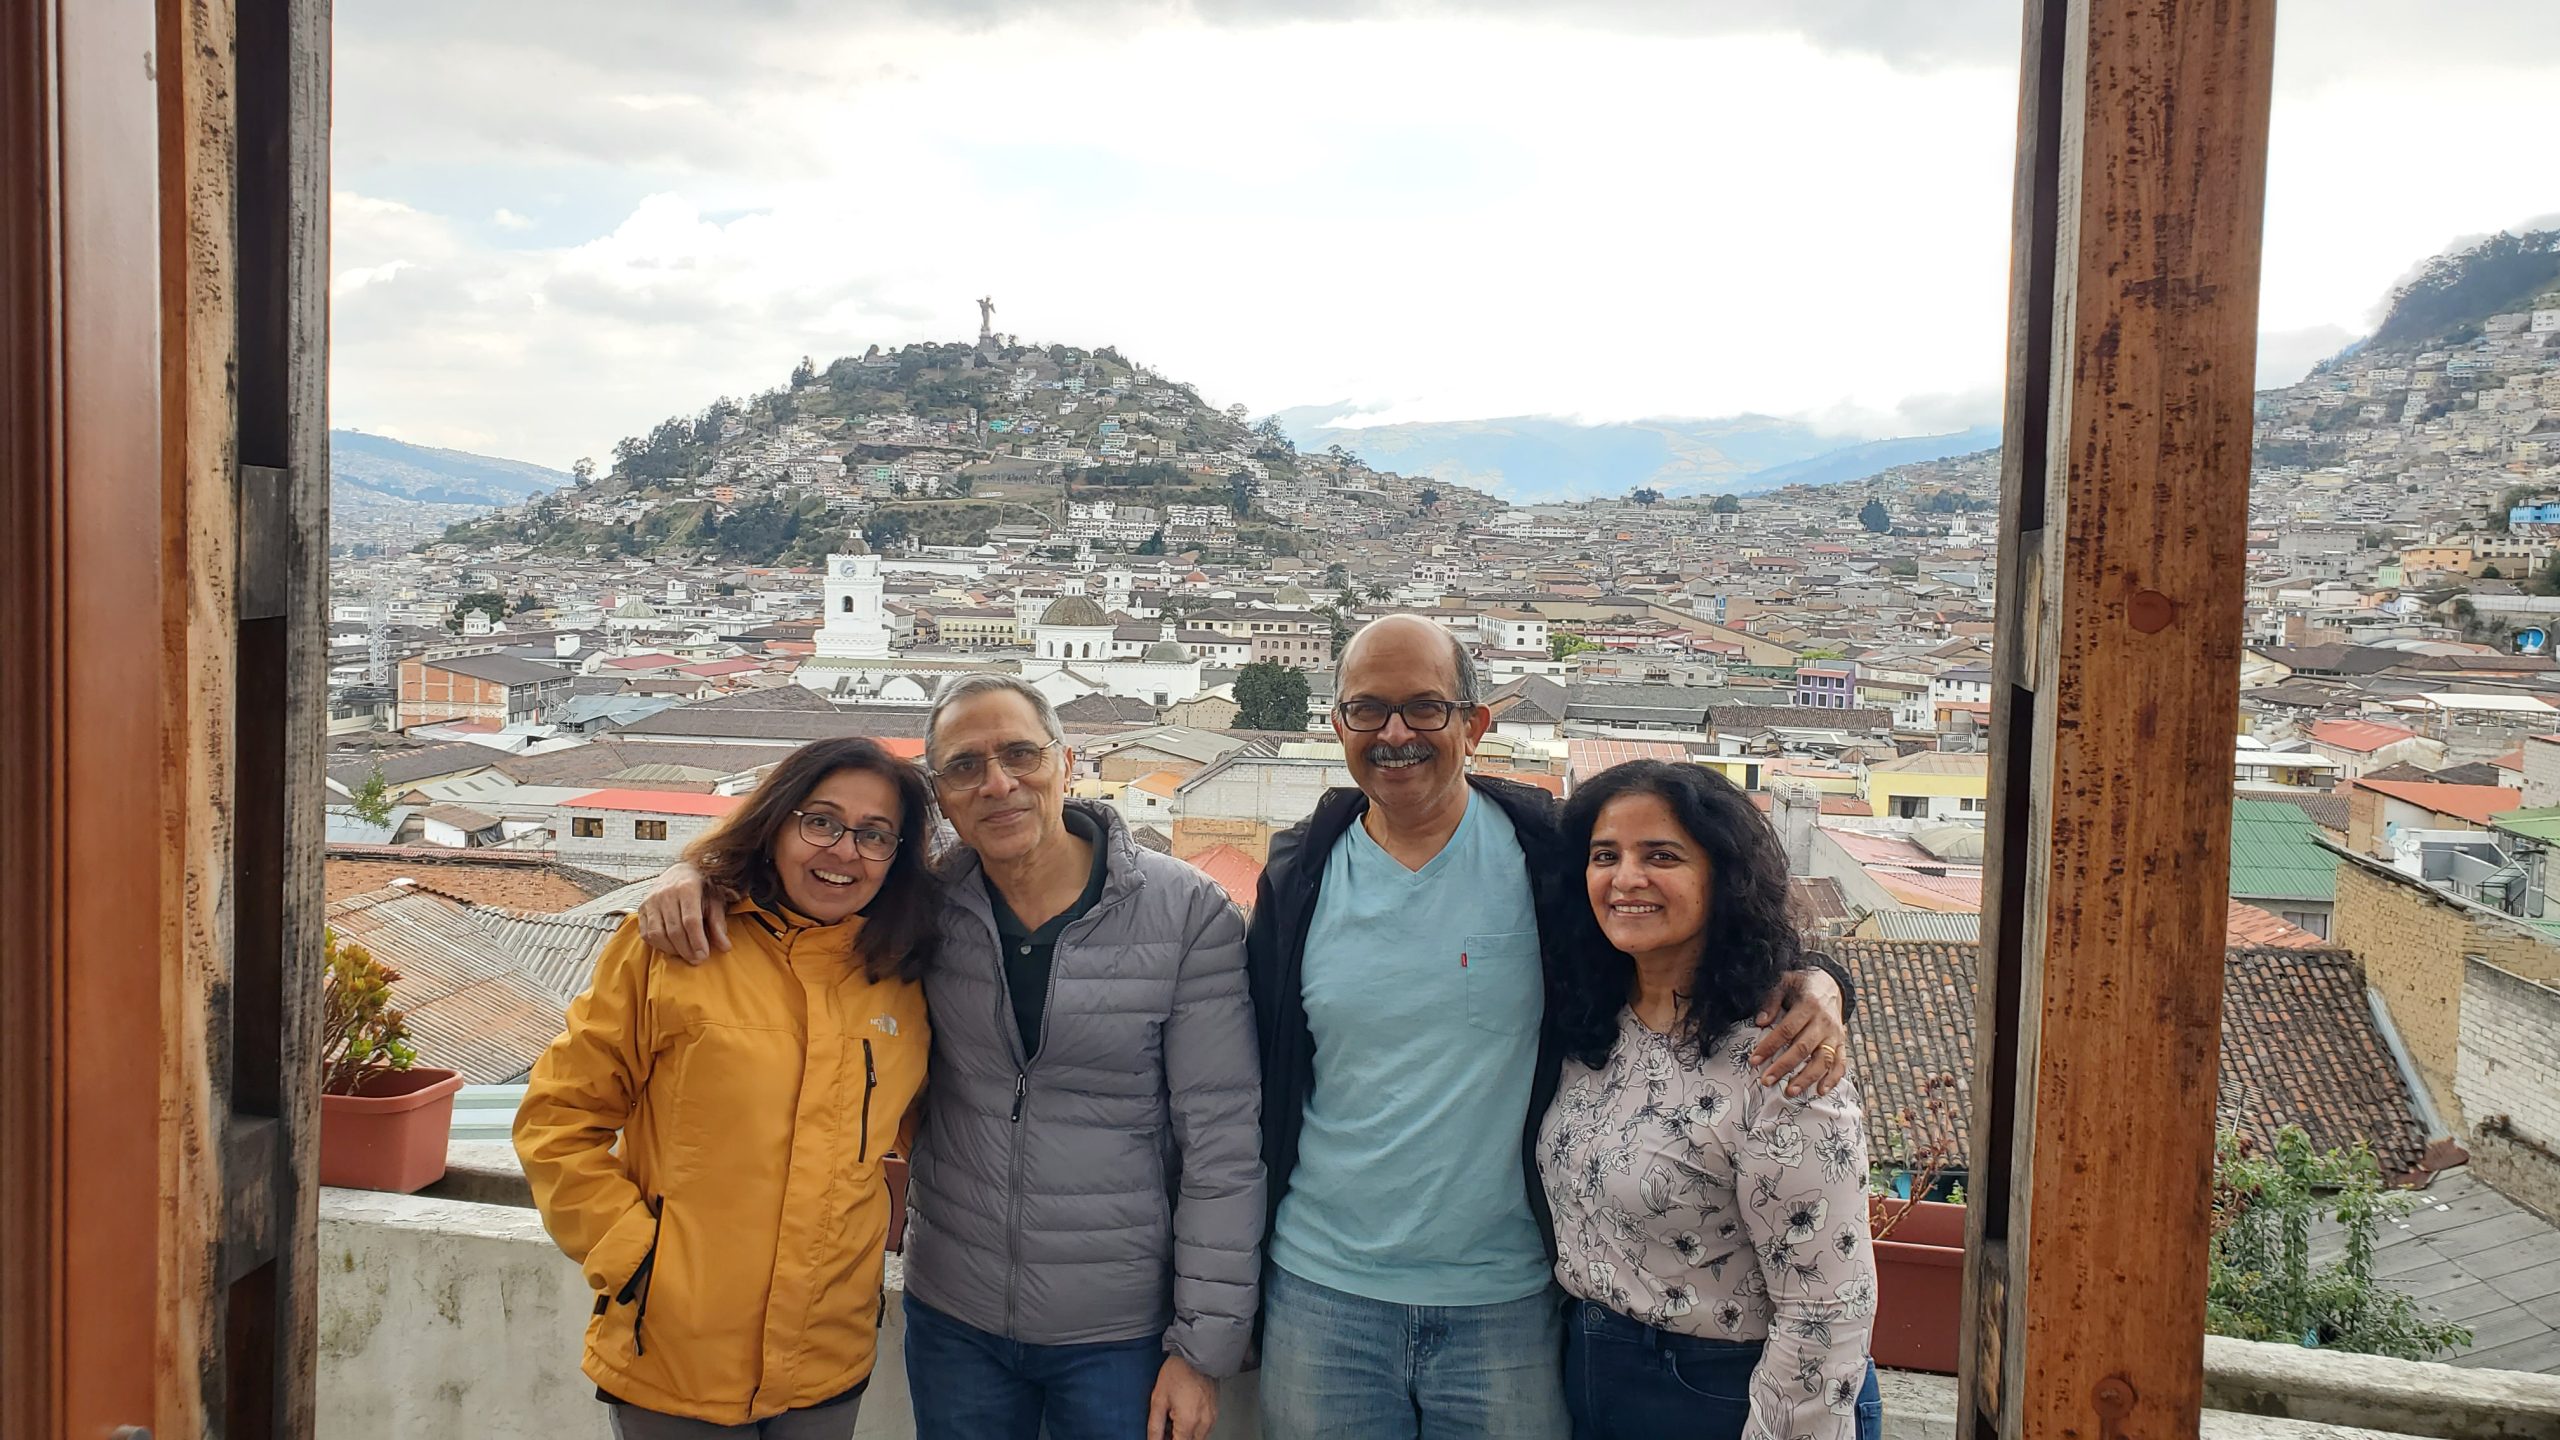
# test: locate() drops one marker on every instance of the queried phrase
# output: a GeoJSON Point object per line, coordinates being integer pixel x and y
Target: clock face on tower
{"type": "Point", "coordinates": [844, 565]}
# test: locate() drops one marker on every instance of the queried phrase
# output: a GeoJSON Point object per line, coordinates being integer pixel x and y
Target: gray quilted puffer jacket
{"type": "Point", "coordinates": [1112, 1188]}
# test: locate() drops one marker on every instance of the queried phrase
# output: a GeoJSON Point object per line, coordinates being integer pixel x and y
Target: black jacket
{"type": "Point", "coordinates": [1275, 946]}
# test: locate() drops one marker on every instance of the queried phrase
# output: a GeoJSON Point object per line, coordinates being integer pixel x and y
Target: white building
{"type": "Point", "coordinates": [1512, 630]}
{"type": "Point", "coordinates": [1071, 658]}
{"type": "Point", "coordinates": [857, 625]}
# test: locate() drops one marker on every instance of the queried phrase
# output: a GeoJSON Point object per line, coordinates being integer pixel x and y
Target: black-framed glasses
{"type": "Point", "coordinates": [1022, 759]}
{"type": "Point", "coordinates": [824, 830]}
{"type": "Point", "coordinates": [1368, 715]}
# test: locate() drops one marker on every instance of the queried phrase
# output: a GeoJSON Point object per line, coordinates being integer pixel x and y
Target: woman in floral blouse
{"type": "Point", "coordinates": [1711, 1232]}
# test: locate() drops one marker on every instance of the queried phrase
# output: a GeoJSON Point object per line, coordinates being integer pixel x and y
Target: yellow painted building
{"type": "Point", "coordinates": [1931, 785]}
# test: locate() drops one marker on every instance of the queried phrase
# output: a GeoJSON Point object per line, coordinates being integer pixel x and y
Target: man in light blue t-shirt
{"type": "Point", "coordinates": [1399, 995]}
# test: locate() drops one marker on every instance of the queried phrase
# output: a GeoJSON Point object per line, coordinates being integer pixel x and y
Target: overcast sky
{"type": "Point", "coordinates": [558, 222]}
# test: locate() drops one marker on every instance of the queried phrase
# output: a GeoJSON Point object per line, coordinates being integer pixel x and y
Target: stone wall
{"type": "Point", "coordinates": [2507, 1078]}
{"type": "Point", "coordinates": [2413, 940]}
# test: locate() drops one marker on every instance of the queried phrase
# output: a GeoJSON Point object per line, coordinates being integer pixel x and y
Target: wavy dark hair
{"type": "Point", "coordinates": [1750, 940]}
{"type": "Point", "coordinates": [902, 924]}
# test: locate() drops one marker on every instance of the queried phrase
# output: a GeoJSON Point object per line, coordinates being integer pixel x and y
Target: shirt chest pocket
{"type": "Point", "coordinates": [1499, 978]}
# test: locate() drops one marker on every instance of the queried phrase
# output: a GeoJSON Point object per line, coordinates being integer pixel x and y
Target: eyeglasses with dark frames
{"type": "Point", "coordinates": [1022, 759]}
{"type": "Point", "coordinates": [1366, 716]}
{"type": "Point", "coordinates": [824, 830]}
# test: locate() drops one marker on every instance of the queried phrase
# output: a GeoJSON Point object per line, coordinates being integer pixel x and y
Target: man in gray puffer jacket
{"type": "Point", "coordinates": [1086, 1210]}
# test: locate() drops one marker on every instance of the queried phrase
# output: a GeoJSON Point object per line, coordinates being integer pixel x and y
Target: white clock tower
{"type": "Point", "coordinates": [857, 627]}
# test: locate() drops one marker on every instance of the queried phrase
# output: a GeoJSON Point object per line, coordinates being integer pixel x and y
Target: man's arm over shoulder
{"type": "Point", "coordinates": [1213, 1081]}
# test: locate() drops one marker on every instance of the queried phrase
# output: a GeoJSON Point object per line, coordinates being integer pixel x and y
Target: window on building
{"type": "Point", "coordinates": [648, 829]}
{"type": "Point", "coordinates": [848, 604]}
{"type": "Point", "coordinates": [1970, 805]}
{"type": "Point", "coordinates": [1910, 807]}
{"type": "Point", "coordinates": [587, 827]}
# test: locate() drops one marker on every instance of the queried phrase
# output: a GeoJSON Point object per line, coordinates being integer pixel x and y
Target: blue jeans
{"type": "Point", "coordinates": [1625, 1380]}
{"type": "Point", "coordinates": [969, 1385]}
{"type": "Point", "coordinates": [1348, 1368]}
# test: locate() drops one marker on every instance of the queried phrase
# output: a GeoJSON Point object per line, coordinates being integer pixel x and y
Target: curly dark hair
{"type": "Point", "coordinates": [1750, 941]}
{"type": "Point", "coordinates": [902, 926]}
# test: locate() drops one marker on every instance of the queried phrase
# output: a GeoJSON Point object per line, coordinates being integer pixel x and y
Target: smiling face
{"type": "Point", "coordinates": [1650, 882]}
{"type": "Point", "coordinates": [829, 884]}
{"type": "Point", "coordinates": [1400, 769]}
{"type": "Point", "coordinates": [1010, 816]}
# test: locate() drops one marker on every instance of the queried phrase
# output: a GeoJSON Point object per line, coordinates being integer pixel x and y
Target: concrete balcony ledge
{"type": "Point", "coordinates": [450, 1315]}
{"type": "Point", "coordinates": [2408, 1396]}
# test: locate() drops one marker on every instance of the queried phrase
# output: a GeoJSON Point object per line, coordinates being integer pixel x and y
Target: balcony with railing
{"type": "Point", "coordinates": [449, 1315]}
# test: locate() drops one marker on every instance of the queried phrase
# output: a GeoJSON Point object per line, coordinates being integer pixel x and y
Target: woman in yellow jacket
{"type": "Point", "coordinates": [734, 1241]}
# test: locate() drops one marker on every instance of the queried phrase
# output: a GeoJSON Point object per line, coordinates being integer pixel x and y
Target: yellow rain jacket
{"type": "Point", "coordinates": [734, 1243]}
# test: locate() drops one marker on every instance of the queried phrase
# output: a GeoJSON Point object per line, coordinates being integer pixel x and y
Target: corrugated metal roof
{"type": "Point", "coordinates": [1965, 929]}
{"type": "Point", "coordinates": [557, 950]}
{"type": "Point", "coordinates": [484, 989]}
{"type": "Point", "coordinates": [2276, 854]}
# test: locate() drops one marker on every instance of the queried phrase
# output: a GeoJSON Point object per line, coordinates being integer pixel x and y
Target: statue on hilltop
{"type": "Point", "coordinates": [986, 319]}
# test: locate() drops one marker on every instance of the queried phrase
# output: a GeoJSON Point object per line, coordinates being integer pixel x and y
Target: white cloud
{"type": "Point", "coordinates": [1437, 214]}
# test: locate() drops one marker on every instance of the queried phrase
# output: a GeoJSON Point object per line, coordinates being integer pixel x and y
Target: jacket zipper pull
{"type": "Point", "coordinates": [1021, 1082]}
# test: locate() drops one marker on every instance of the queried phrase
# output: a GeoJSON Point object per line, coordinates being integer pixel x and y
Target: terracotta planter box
{"type": "Point", "coordinates": [392, 1134]}
{"type": "Point", "coordinates": [1931, 1222]}
{"type": "Point", "coordinates": [1919, 1286]}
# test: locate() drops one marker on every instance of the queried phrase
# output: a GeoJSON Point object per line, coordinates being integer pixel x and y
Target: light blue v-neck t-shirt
{"type": "Point", "coordinates": [1424, 994]}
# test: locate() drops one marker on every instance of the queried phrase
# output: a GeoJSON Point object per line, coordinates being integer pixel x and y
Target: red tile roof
{"type": "Point", "coordinates": [2362, 736]}
{"type": "Point", "coordinates": [2475, 803]}
{"type": "Point", "coordinates": [654, 802]}
{"type": "Point", "coordinates": [1236, 872]}
{"type": "Point", "coordinates": [2299, 1046]}
{"type": "Point", "coordinates": [2251, 927]}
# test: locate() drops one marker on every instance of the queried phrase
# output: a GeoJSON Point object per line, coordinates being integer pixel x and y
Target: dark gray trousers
{"type": "Point", "coordinates": [825, 1422]}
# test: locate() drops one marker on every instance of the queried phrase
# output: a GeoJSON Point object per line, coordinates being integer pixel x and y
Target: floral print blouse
{"type": "Point", "coordinates": [1692, 1198]}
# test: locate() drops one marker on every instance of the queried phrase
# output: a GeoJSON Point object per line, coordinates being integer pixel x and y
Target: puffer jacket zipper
{"type": "Point", "coordinates": [870, 1083]}
{"type": "Point", "coordinates": [1022, 1078]}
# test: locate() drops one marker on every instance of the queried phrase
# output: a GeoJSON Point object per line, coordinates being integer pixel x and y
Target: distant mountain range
{"type": "Point", "coordinates": [375, 468]}
{"type": "Point", "coordinates": [1527, 459]}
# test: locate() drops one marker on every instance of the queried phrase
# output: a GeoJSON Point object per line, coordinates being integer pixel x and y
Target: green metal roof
{"type": "Point", "coordinates": [2276, 855]}
{"type": "Point", "coordinates": [2542, 824]}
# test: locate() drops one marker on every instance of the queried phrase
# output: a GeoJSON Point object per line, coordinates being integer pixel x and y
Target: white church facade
{"type": "Point", "coordinates": [1071, 651]}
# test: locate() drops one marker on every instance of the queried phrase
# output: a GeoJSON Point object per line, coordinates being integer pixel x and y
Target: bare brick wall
{"type": "Point", "coordinates": [2508, 1079]}
{"type": "Point", "coordinates": [2413, 941]}
{"type": "Point", "coordinates": [2364, 821]}
{"type": "Point", "coordinates": [1193, 834]}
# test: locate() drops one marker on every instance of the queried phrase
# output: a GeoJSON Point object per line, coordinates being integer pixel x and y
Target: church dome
{"type": "Point", "coordinates": [1073, 610]}
{"type": "Point", "coordinates": [1292, 595]}
{"type": "Point", "coordinates": [1168, 652]}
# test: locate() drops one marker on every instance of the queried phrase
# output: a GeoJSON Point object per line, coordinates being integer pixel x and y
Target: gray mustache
{"type": "Point", "coordinates": [1389, 754]}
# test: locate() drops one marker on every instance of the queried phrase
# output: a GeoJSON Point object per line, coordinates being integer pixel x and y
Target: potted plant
{"type": "Point", "coordinates": [1919, 1242]}
{"type": "Point", "coordinates": [384, 1119]}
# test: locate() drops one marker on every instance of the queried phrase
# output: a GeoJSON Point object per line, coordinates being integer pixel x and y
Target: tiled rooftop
{"type": "Point", "coordinates": [2298, 1041]}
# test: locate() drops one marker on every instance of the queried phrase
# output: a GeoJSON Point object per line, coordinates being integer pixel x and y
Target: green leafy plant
{"type": "Point", "coordinates": [372, 800]}
{"type": "Point", "coordinates": [2260, 1283]}
{"type": "Point", "coordinates": [362, 1034]}
{"type": "Point", "coordinates": [1271, 696]}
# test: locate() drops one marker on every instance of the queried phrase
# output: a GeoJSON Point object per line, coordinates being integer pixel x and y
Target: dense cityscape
{"type": "Point", "coordinates": [537, 705]}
